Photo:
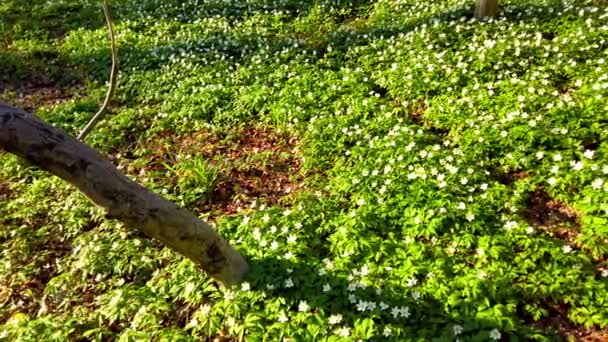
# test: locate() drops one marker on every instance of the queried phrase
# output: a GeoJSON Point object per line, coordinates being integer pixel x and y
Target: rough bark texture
{"type": "Point", "coordinates": [486, 8]}
{"type": "Point", "coordinates": [26, 136]}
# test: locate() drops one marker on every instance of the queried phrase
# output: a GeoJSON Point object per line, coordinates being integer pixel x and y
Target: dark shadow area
{"type": "Point", "coordinates": [233, 49]}
{"type": "Point", "coordinates": [41, 68]}
{"type": "Point", "coordinates": [510, 176]}
{"type": "Point", "coordinates": [43, 19]}
{"type": "Point", "coordinates": [235, 10]}
{"type": "Point", "coordinates": [558, 320]}
{"type": "Point", "coordinates": [367, 301]}
{"type": "Point", "coordinates": [544, 211]}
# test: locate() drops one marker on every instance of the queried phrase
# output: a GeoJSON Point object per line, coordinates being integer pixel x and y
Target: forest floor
{"type": "Point", "coordinates": [393, 170]}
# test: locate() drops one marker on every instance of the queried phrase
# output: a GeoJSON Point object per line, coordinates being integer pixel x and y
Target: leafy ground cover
{"type": "Point", "coordinates": [394, 170]}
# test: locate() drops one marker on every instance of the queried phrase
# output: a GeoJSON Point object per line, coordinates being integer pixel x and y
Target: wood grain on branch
{"type": "Point", "coordinates": [486, 8]}
{"type": "Point", "coordinates": [49, 148]}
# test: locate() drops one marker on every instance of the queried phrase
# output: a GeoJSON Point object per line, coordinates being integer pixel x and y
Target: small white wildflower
{"type": "Point", "coordinates": [416, 295]}
{"type": "Point", "coordinates": [552, 181]}
{"type": "Point", "coordinates": [288, 283]}
{"type": "Point", "coordinates": [229, 295]}
{"type": "Point", "coordinates": [470, 216]}
{"type": "Point", "coordinates": [361, 306]}
{"type": "Point", "coordinates": [510, 225]}
{"type": "Point", "coordinates": [495, 334]}
{"type": "Point", "coordinates": [567, 249]}
{"type": "Point", "coordinates": [303, 306]}
{"type": "Point", "coordinates": [231, 322]}
{"type": "Point", "coordinates": [205, 309]}
{"type": "Point", "coordinates": [352, 286]}
{"type": "Point", "coordinates": [457, 329]}
{"type": "Point", "coordinates": [412, 282]}
{"type": "Point", "coordinates": [597, 184]}
{"type": "Point", "coordinates": [245, 286]}
{"type": "Point", "coordinates": [283, 317]}
{"type": "Point", "coordinates": [405, 311]}
{"type": "Point", "coordinates": [335, 319]}
{"type": "Point", "coordinates": [326, 288]}
{"type": "Point", "coordinates": [462, 206]}
{"type": "Point", "coordinates": [557, 157]}
{"type": "Point", "coordinates": [395, 312]}
{"type": "Point", "coordinates": [193, 323]}
{"type": "Point", "coordinates": [589, 154]}
{"type": "Point", "coordinates": [344, 332]}
{"type": "Point", "coordinates": [387, 332]}
{"type": "Point", "coordinates": [576, 165]}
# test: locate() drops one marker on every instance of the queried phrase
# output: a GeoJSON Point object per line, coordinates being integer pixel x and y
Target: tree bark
{"type": "Point", "coordinates": [486, 8]}
{"type": "Point", "coordinates": [49, 148]}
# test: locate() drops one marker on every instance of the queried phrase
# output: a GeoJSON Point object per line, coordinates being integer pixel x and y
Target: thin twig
{"type": "Point", "coordinates": [113, 75]}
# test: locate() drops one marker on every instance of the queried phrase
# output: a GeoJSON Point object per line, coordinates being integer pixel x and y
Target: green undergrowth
{"type": "Point", "coordinates": [455, 171]}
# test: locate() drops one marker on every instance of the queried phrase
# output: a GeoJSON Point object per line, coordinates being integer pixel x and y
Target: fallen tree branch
{"type": "Point", "coordinates": [49, 148]}
{"type": "Point", "coordinates": [113, 75]}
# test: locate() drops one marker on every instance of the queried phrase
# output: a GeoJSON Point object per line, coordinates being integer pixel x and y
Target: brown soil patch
{"type": "Point", "coordinates": [417, 110]}
{"type": "Point", "coordinates": [31, 96]}
{"type": "Point", "coordinates": [223, 337]}
{"type": "Point", "coordinates": [255, 165]}
{"type": "Point", "coordinates": [510, 177]}
{"type": "Point", "coordinates": [5, 191]}
{"type": "Point", "coordinates": [562, 222]}
{"type": "Point", "coordinates": [558, 320]}
{"type": "Point", "coordinates": [557, 219]}
{"type": "Point", "coordinates": [24, 297]}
